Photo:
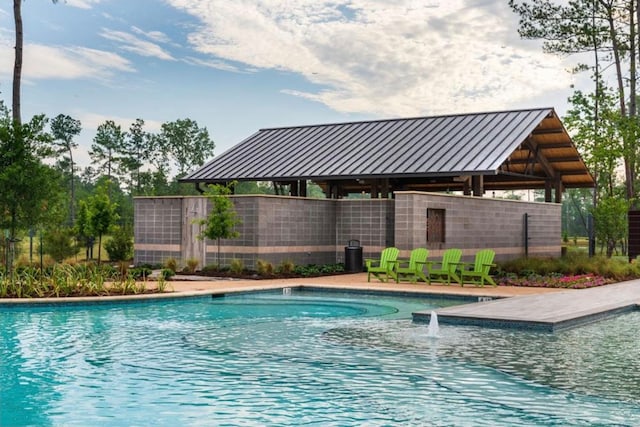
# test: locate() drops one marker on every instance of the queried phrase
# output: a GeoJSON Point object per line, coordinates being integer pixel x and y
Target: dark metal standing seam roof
{"type": "Point", "coordinates": [464, 144]}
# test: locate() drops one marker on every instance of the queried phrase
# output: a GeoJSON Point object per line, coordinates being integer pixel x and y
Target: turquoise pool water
{"type": "Point", "coordinates": [306, 359]}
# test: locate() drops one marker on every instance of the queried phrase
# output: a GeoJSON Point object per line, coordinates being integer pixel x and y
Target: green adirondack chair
{"type": "Point", "coordinates": [385, 267]}
{"type": "Point", "coordinates": [477, 272]}
{"type": "Point", "coordinates": [413, 268]}
{"type": "Point", "coordinates": [445, 268]}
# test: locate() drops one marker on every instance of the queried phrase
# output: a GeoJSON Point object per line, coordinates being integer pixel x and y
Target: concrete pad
{"type": "Point", "coordinates": [549, 312]}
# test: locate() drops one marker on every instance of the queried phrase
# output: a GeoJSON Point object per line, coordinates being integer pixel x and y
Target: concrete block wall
{"type": "Point", "coordinates": [280, 228]}
{"type": "Point", "coordinates": [473, 223]}
{"type": "Point", "coordinates": [315, 231]}
{"type": "Point", "coordinates": [157, 229]}
{"type": "Point", "coordinates": [371, 221]}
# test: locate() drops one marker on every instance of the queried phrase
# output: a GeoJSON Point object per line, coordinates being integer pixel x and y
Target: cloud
{"type": "Point", "coordinates": [133, 44]}
{"type": "Point", "coordinates": [91, 121]}
{"type": "Point", "coordinates": [217, 64]}
{"type": "Point", "coordinates": [82, 4]}
{"type": "Point", "coordinates": [65, 63]}
{"type": "Point", "coordinates": [157, 36]}
{"type": "Point", "coordinates": [407, 57]}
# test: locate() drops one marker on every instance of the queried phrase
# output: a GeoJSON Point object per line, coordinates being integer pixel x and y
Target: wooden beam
{"type": "Point", "coordinates": [550, 171]}
{"type": "Point", "coordinates": [547, 131]}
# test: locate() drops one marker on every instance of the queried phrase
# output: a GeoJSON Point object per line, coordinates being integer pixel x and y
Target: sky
{"type": "Point", "coordinates": [236, 66]}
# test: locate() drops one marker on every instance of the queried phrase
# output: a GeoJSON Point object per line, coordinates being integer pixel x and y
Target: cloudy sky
{"type": "Point", "coordinates": [236, 66]}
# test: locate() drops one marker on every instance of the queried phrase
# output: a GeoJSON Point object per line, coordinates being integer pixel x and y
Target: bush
{"type": "Point", "coordinates": [286, 267]}
{"type": "Point", "coordinates": [264, 268]}
{"type": "Point", "coordinates": [167, 273]}
{"type": "Point", "coordinates": [120, 246]}
{"type": "Point", "coordinates": [236, 266]}
{"type": "Point", "coordinates": [192, 264]}
{"type": "Point", "coordinates": [572, 264]}
{"type": "Point", "coordinates": [209, 268]}
{"type": "Point", "coordinates": [59, 243]}
{"type": "Point", "coordinates": [140, 273]}
{"type": "Point", "coordinates": [171, 264]}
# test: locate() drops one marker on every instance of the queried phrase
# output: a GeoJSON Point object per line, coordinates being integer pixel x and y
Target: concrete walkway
{"type": "Point", "coordinates": [550, 312]}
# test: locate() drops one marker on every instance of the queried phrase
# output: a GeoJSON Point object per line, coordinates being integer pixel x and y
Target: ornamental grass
{"type": "Point", "coordinates": [573, 271]}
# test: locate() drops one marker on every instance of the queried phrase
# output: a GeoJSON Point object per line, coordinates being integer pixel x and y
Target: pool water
{"type": "Point", "coordinates": [324, 359]}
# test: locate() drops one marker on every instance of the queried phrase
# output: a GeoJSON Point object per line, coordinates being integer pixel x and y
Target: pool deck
{"type": "Point", "coordinates": [545, 312]}
{"type": "Point", "coordinates": [512, 307]}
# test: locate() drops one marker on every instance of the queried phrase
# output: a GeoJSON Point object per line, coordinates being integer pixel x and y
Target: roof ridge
{"type": "Point", "coordinates": [405, 118]}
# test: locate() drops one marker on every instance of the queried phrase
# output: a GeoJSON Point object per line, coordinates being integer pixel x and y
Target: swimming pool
{"type": "Point", "coordinates": [306, 358]}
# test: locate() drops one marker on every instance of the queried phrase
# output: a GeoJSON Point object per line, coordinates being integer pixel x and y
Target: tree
{"type": "Point", "coordinates": [609, 30]}
{"type": "Point", "coordinates": [101, 215]}
{"type": "Point", "coordinates": [222, 219]}
{"type": "Point", "coordinates": [63, 129]}
{"type": "Point", "coordinates": [137, 149]}
{"type": "Point", "coordinates": [17, 63]}
{"type": "Point", "coordinates": [107, 146]}
{"type": "Point", "coordinates": [83, 228]}
{"type": "Point", "coordinates": [184, 143]}
{"type": "Point", "coordinates": [29, 189]}
{"type": "Point", "coordinates": [611, 221]}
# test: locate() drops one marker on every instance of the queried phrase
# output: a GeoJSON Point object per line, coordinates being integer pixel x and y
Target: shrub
{"type": "Point", "coordinates": [209, 268]}
{"type": "Point", "coordinates": [236, 266]}
{"type": "Point", "coordinates": [171, 264]}
{"type": "Point", "coordinates": [167, 273]}
{"type": "Point", "coordinates": [572, 264]}
{"type": "Point", "coordinates": [120, 246]}
{"type": "Point", "coordinates": [59, 243]}
{"type": "Point", "coordinates": [140, 273]}
{"type": "Point", "coordinates": [286, 267]}
{"type": "Point", "coordinates": [192, 264]}
{"type": "Point", "coordinates": [23, 261]}
{"type": "Point", "coordinates": [264, 268]}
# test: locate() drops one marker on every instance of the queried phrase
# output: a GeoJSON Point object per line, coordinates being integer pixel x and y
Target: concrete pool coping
{"type": "Point", "coordinates": [543, 309]}
{"type": "Point", "coordinates": [355, 282]}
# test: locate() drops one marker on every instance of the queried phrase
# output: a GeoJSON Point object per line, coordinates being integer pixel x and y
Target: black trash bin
{"type": "Point", "coordinates": [353, 257]}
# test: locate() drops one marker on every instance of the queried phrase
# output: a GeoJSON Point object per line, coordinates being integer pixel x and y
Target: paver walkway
{"type": "Point", "coordinates": [550, 312]}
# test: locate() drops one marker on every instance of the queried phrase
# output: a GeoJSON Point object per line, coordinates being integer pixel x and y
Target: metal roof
{"type": "Point", "coordinates": [527, 146]}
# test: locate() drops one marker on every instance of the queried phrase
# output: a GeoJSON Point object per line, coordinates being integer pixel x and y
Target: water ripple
{"type": "Point", "coordinates": [265, 360]}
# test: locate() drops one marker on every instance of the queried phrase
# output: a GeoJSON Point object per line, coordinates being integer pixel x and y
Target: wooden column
{"type": "Point", "coordinates": [547, 191]}
{"type": "Point", "coordinates": [477, 183]}
{"type": "Point", "coordinates": [374, 189]}
{"type": "Point", "coordinates": [385, 188]}
{"type": "Point", "coordinates": [302, 188]}
{"type": "Point", "coordinates": [559, 190]}
{"type": "Point", "coordinates": [466, 188]}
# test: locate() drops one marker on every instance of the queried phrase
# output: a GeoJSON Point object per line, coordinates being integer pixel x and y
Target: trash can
{"type": "Point", "coordinates": [353, 257]}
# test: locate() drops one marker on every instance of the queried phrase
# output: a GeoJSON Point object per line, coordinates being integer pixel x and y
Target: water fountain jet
{"type": "Point", "coordinates": [433, 330]}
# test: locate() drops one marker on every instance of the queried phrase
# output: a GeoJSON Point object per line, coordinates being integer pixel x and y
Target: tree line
{"type": "Point", "coordinates": [43, 188]}
{"type": "Point", "coordinates": [604, 37]}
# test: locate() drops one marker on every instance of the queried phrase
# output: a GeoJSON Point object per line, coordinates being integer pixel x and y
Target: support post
{"type": "Point", "coordinates": [302, 188]}
{"type": "Point", "coordinates": [526, 234]}
{"type": "Point", "coordinates": [477, 182]}
{"type": "Point", "coordinates": [592, 235]}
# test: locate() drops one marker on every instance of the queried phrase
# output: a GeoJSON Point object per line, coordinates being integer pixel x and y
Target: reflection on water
{"type": "Point", "coordinates": [313, 358]}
